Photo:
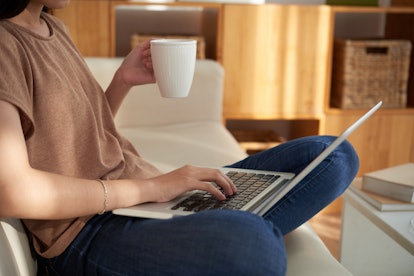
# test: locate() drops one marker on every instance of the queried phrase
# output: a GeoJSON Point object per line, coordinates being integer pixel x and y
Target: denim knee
{"type": "Point", "coordinates": [350, 156]}
{"type": "Point", "coordinates": [248, 244]}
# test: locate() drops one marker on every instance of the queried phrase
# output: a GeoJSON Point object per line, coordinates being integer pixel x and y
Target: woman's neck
{"type": "Point", "coordinates": [31, 20]}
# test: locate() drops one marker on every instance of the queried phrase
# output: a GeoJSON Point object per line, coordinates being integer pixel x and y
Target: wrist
{"type": "Point", "coordinates": [120, 80]}
{"type": "Point", "coordinates": [128, 192]}
{"type": "Point", "coordinates": [105, 197]}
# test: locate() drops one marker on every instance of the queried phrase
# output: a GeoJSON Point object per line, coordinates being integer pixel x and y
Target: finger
{"type": "Point", "coordinates": [223, 181]}
{"type": "Point", "coordinates": [146, 53]}
{"type": "Point", "coordinates": [209, 187]}
{"type": "Point", "coordinates": [226, 184]}
{"type": "Point", "coordinates": [148, 63]}
{"type": "Point", "coordinates": [232, 185]}
{"type": "Point", "coordinates": [146, 43]}
{"type": "Point", "coordinates": [208, 175]}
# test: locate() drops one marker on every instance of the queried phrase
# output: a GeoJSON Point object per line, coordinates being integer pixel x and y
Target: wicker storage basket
{"type": "Point", "coordinates": [366, 71]}
{"type": "Point", "coordinates": [201, 48]}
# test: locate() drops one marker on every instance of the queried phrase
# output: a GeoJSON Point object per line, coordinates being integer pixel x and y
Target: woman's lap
{"type": "Point", "coordinates": [216, 242]}
{"type": "Point", "coordinates": [207, 243]}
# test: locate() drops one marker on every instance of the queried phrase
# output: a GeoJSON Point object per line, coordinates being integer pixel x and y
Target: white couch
{"type": "Point", "coordinates": [171, 133]}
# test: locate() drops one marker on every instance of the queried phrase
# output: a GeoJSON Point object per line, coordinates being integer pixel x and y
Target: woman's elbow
{"type": "Point", "coordinates": [10, 200]}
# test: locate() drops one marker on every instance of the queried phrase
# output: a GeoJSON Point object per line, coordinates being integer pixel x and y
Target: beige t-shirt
{"type": "Point", "coordinates": [67, 122]}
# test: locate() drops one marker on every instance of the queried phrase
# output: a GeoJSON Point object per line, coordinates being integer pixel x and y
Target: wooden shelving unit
{"type": "Point", "coordinates": [170, 19]}
{"type": "Point", "coordinates": [387, 139]}
{"type": "Point", "coordinates": [278, 62]}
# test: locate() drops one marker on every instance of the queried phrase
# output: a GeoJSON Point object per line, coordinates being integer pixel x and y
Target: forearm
{"type": "Point", "coordinates": [116, 92]}
{"type": "Point", "coordinates": [42, 195]}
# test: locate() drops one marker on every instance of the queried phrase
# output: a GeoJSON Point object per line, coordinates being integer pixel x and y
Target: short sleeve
{"type": "Point", "coordinates": [16, 81]}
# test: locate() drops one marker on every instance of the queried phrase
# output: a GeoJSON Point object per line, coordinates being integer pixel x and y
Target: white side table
{"type": "Point", "coordinates": [375, 242]}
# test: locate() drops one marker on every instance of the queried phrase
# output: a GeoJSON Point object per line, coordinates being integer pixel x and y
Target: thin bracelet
{"type": "Point", "coordinates": [105, 196]}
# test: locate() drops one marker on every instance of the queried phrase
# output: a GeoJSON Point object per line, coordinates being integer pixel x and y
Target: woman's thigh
{"type": "Point", "coordinates": [207, 243]}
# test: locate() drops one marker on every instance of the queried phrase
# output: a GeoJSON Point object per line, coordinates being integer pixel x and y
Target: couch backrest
{"type": "Point", "coordinates": [144, 106]}
{"type": "Point", "coordinates": [15, 253]}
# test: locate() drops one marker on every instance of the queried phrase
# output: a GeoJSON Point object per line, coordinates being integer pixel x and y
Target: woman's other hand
{"type": "Point", "coordinates": [137, 66]}
{"type": "Point", "coordinates": [136, 69]}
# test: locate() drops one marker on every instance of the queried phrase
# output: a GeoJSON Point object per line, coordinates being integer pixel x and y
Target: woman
{"type": "Point", "coordinates": [63, 166]}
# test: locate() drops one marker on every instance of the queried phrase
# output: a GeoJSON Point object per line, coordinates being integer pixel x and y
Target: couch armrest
{"type": "Point", "coordinates": [308, 255]}
{"type": "Point", "coordinates": [15, 253]}
{"type": "Point", "coordinates": [144, 106]}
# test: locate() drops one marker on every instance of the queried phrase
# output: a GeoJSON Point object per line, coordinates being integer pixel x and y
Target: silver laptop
{"type": "Point", "coordinates": [257, 191]}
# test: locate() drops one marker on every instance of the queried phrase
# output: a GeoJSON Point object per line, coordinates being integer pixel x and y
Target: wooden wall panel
{"type": "Point", "coordinates": [384, 140]}
{"type": "Point", "coordinates": [88, 24]}
{"type": "Point", "coordinates": [276, 60]}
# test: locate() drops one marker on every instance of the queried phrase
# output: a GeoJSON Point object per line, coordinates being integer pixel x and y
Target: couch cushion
{"type": "Point", "coordinates": [197, 143]}
{"type": "Point", "coordinates": [143, 106]}
{"type": "Point", "coordinates": [307, 254]}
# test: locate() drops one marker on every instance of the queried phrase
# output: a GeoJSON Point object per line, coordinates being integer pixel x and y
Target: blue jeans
{"type": "Point", "coordinates": [214, 242]}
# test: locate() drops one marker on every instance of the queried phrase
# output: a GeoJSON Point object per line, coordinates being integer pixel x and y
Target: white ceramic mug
{"type": "Point", "coordinates": [174, 61]}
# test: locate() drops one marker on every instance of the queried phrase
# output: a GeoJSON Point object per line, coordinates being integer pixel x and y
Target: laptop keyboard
{"type": "Point", "coordinates": [249, 185]}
